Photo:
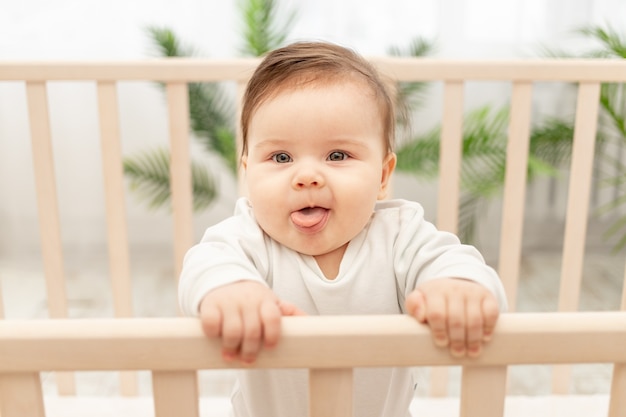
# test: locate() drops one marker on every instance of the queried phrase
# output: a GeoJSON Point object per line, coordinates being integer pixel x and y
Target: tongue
{"type": "Point", "coordinates": [308, 217]}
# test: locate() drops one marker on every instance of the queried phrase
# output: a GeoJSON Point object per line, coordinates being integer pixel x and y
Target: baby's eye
{"type": "Point", "coordinates": [337, 156]}
{"type": "Point", "coordinates": [281, 158]}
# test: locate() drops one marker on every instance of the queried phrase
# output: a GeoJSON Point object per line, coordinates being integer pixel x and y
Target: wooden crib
{"type": "Point", "coordinates": [173, 349]}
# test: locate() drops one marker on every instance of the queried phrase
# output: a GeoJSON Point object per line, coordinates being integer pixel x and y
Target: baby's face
{"type": "Point", "coordinates": [316, 165]}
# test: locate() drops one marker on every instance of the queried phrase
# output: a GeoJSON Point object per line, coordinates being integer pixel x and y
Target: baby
{"type": "Point", "coordinates": [316, 236]}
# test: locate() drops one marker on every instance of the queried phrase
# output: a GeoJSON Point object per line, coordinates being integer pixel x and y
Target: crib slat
{"type": "Point", "coordinates": [450, 157]}
{"type": "Point", "coordinates": [180, 171]}
{"type": "Point", "coordinates": [577, 211]}
{"type": "Point", "coordinates": [330, 393]}
{"type": "Point", "coordinates": [483, 391]}
{"type": "Point", "coordinates": [48, 208]}
{"type": "Point", "coordinates": [175, 393]}
{"type": "Point", "coordinates": [578, 194]}
{"type": "Point", "coordinates": [117, 229]}
{"type": "Point", "coordinates": [617, 402]}
{"type": "Point", "coordinates": [515, 189]}
{"type": "Point", "coordinates": [450, 154]}
{"type": "Point", "coordinates": [21, 395]}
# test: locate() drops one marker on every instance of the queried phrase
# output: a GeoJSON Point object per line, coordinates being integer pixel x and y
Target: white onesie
{"type": "Point", "coordinates": [383, 264]}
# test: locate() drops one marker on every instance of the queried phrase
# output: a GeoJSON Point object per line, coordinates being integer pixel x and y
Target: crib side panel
{"type": "Point", "coordinates": [181, 179]}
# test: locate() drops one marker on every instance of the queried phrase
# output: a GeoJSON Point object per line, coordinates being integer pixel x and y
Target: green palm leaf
{"type": "Point", "coordinates": [212, 121]}
{"type": "Point", "coordinates": [420, 156]}
{"type": "Point", "coordinates": [551, 144]}
{"type": "Point", "coordinates": [613, 103]}
{"type": "Point", "coordinates": [411, 95]}
{"type": "Point", "coordinates": [482, 171]}
{"type": "Point", "coordinates": [484, 160]}
{"type": "Point", "coordinates": [210, 109]}
{"type": "Point", "coordinates": [612, 43]}
{"type": "Point", "coordinates": [265, 26]}
{"type": "Point", "coordinates": [484, 148]}
{"type": "Point", "coordinates": [149, 174]}
{"type": "Point", "coordinates": [167, 43]}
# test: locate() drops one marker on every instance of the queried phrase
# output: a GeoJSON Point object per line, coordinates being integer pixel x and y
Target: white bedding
{"type": "Point", "coordinates": [516, 406]}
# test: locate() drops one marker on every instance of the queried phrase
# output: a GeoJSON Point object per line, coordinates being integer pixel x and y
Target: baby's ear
{"type": "Point", "coordinates": [389, 165]}
{"type": "Point", "coordinates": [241, 176]}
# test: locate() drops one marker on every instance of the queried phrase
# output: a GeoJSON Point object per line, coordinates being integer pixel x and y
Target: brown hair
{"type": "Point", "coordinates": [304, 62]}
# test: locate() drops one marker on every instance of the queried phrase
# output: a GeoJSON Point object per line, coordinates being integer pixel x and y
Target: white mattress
{"type": "Point", "coordinates": [516, 406]}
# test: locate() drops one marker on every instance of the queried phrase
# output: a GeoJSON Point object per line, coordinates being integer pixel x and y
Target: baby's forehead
{"type": "Point", "coordinates": [353, 81]}
{"type": "Point", "coordinates": [321, 82]}
{"type": "Point", "coordinates": [320, 79]}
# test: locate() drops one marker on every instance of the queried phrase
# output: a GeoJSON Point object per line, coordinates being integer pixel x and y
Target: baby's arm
{"type": "Point", "coordinates": [246, 315]}
{"type": "Point", "coordinates": [460, 313]}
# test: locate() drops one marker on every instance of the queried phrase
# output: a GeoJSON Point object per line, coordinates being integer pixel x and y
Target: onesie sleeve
{"type": "Point", "coordinates": [230, 251]}
{"type": "Point", "coordinates": [423, 253]}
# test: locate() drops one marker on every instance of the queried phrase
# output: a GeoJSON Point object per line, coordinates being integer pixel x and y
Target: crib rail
{"type": "Point", "coordinates": [400, 69]}
{"type": "Point", "coordinates": [174, 349]}
{"type": "Point", "coordinates": [170, 344]}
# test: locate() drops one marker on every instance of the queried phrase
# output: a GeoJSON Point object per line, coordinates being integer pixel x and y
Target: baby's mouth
{"type": "Point", "coordinates": [309, 217]}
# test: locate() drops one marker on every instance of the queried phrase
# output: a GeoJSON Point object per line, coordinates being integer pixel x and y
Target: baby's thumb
{"type": "Point", "coordinates": [288, 309]}
{"type": "Point", "coordinates": [416, 305]}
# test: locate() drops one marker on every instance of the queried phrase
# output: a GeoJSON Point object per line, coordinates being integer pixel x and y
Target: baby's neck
{"type": "Point", "coordinates": [330, 262]}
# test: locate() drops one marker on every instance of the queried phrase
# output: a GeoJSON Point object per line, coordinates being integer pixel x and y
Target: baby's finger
{"type": "Point", "coordinates": [416, 305]}
{"type": "Point", "coordinates": [288, 309]}
{"type": "Point", "coordinates": [232, 332]}
{"type": "Point", "coordinates": [474, 320]}
{"type": "Point", "coordinates": [252, 333]}
{"type": "Point", "coordinates": [456, 325]}
{"type": "Point", "coordinates": [211, 320]}
{"type": "Point", "coordinates": [270, 320]}
{"type": "Point", "coordinates": [436, 313]}
{"type": "Point", "coordinates": [490, 313]}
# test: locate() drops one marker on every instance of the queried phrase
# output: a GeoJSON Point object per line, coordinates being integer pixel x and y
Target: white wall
{"type": "Point", "coordinates": [114, 29]}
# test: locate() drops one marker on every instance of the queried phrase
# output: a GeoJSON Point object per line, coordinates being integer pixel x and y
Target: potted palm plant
{"type": "Point", "coordinates": [211, 110]}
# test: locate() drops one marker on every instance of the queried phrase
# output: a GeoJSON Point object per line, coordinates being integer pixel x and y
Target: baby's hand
{"type": "Point", "coordinates": [461, 313]}
{"type": "Point", "coordinates": [246, 315]}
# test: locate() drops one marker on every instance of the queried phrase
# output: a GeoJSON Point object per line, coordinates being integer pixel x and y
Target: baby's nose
{"type": "Point", "coordinates": [308, 177]}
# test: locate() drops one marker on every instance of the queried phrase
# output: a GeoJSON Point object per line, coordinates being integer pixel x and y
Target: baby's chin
{"type": "Point", "coordinates": [306, 249]}
{"type": "Point", "coordinates": [308, 246]}
{"type": "Point", "coordinates": [319, 252]}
